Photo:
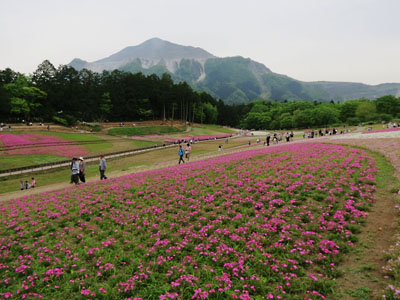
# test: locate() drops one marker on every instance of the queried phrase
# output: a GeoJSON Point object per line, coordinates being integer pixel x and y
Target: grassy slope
{"type": "Point", "coordinates": [132, 131]}
{"type": "Point", "coordinates": [23, 160]}
{"type": "Point", "coordinates": [114, 165]}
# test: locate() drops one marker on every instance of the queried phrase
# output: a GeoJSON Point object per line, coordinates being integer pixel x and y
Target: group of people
{"type": "Point", "coordinates": [78, 169]}
{"type": "Point", "coordinates": [185, 152]}
{"type": "Point", "coordinates": [25, 185]}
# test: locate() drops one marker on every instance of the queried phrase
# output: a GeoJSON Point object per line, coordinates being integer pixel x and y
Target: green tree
{"type": "Point", "coordinates": [105, 106]}
{"type": "Point", "coordinates": [388, 104]}
{"type": "Point", "coordinates": [324, 115]}
{"type": "Point", "coordinates": [211, 113]}
{"type": "Point", "coordinates": [286, 121]}
{"type": "Point", "coordinates": [303, 118]}
{"type": "Point", "coordinates": [366, 111]}
{"type": "Point", "coordinates": [19, 107]}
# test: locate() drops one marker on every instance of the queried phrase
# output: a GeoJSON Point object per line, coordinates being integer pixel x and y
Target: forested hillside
{"type": "Point", "coordinates": [65, 95]}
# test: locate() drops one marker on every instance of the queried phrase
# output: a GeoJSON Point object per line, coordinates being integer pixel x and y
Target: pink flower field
{"type": "Point", "coordinates": [272, 223]}
{"type": "Point", "coordinates": [382, 130]}
{"type": "Point", "coordinates": [30, 143]}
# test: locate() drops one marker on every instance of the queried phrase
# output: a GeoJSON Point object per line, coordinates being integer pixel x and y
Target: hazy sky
{"type": "Point", "coordinates": [335, 40]}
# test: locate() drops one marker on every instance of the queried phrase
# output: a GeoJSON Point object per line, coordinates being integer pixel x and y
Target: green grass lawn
{"type": "Point", "coordinates": [23, 160]}
{"type": "Point", "coordinates": [99, 144]}
{"type": "Point", "coordinates": [209, 130]}
{"type": "Point", "coordinates": [132, 131]}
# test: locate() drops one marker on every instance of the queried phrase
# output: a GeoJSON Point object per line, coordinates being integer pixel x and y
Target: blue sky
{"type": "Point", "coordinates": [310, 40]}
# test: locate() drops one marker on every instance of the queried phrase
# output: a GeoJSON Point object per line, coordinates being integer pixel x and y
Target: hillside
{"type": "Point", "coordinates": [233, 79]}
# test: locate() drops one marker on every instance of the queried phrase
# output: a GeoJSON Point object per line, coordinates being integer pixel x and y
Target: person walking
{"type": "Point", "coordinates": [180, 153]}
{"type": "Point", "coordinates": [75, 171]}
{"type": "Point", "coordinates": [268, 139]}
{"type": "Point", "coordinates": [187, 151]}
{"type": "Point", "coordinates": [33, 184]}
{"type": "Point", "coordinates": [21, 185]}
{"type": "Point", "coordinates": [102, 167]}
{"type": "Point", "coordinates": [82, 169]}
{"type": "Point", "coordinates": [27, 186]}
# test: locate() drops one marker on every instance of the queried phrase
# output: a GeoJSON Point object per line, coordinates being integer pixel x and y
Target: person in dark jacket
{"type": "Point", "coordinates": [82, 169]}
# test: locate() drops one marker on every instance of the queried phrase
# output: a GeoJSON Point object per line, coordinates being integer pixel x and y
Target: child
{"type": "Point", "coordinates": [21, 185]}
{"type": "Point", "coordinates": [27, 186]}
{"type": "Point", "coordinates": [33, 183]}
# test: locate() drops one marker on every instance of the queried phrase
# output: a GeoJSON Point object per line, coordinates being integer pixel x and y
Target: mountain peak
{"type": "Point", "coordinates": [157, 48]}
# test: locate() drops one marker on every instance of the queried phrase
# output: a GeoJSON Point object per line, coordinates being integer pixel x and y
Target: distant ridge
{"type": "Point", "coordinates": [232, 79]}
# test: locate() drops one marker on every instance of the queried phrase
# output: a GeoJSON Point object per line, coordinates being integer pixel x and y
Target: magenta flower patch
{"type": "Point", "coordinates": [30, 143]}
{"type": "Point", "coordinates": [263, 224]}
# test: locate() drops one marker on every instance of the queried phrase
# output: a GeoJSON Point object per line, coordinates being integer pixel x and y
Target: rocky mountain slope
{"type": "Point", "coordinates": [233, 79]}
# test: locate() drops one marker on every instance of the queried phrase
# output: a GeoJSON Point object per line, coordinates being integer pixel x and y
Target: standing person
{"type": "Point", "coordinates": [187, 151]}
{"type": "Point", "coordinates": [27, 186]}
{"type": "Point", "coordinates": [21, 185]}
{"type": "Point", "coordinates": [102, 167]}
{"type": "Point", "coordinates": [82, 169]}
{"type": "Point", "coordinates": [75, 171]}
{"type": "Point", "coordinates": [180, 153]}
{"type": "Point", "coordinates": [33, 184]}
{"type": "Point", "coordinates": [268, 139]}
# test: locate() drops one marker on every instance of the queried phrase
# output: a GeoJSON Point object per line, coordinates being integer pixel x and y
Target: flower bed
{"type": "Point", "coordinates": [40, 144]}
{"type": "Point", "coordinates": [381, 130]}
{"type": "Point", "coordinates": [270, 223]}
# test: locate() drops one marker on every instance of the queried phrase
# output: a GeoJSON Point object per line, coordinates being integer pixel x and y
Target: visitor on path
{"type": "Point", "coordinates": [82, 169]}
{"type": "Point", "coordinates": [187, 151]}
{"type": "Point", "coordinates": [27, 186]}
{"type": "Point", "coordinates": [102, 167]}
{"type": "Point", "coordinates": [275, 139]}
{"type": "Point", "coordinates": [180, 153]}
{"type": "Point", "coordinates": [220, 148]}
{"type": "Point", "coordinates": [75, 171]}
{"type": "Point", "coordinates": [33, 184]}
{"type": "Point", "coordinates": [21, 185]}
{"type": "Point", "coordinates": [268, 139]}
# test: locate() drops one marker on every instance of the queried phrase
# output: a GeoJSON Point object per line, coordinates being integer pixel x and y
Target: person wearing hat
{"type": "Point", "coordinates": [82, 169]}
{"type": "Point", "coordinates": [75, 171]}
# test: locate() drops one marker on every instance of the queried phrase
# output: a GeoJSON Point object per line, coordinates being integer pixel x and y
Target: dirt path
{"type": "Point", "coordinates": [363, 277]}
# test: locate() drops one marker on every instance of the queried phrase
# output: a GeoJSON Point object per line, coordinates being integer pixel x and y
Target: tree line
{"type": "Point", "coordinates": [66, 95]}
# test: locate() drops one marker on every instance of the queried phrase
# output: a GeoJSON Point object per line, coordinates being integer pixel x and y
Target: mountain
{"type": "Point", "coordinates": [233, 79]}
